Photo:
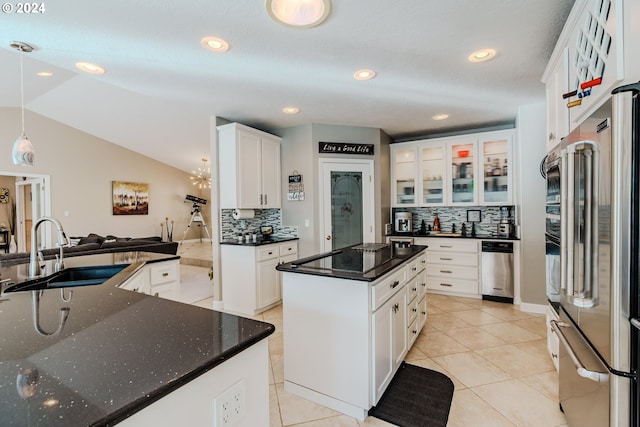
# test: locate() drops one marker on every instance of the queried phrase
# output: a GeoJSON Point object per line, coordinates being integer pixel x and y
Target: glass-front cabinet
{"type": "Point", "coordinates": [462, 187]}
{"type": "Point", "coordinates": [469, 170]}
{"type": "Point", "coordinates": [433, 173]}
{"type": "Point", "coordinates": [404, 163]}
{"type": "Point", "coordinates": [497, 183]}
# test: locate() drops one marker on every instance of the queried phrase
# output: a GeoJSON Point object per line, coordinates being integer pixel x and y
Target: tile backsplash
{"type": "Point", "coordinates": [232, 227]}
{"type": "Point", "coordinates": [490, 217]}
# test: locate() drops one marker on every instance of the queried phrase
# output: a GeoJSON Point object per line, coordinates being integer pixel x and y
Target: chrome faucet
{"type": "Point", "coordinates": [36, 255]}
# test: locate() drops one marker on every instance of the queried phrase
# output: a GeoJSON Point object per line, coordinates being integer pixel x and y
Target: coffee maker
{"type": "Point", "coordinates": [404, 222]}
{"type": "Point", "coordinates": [506, 228]}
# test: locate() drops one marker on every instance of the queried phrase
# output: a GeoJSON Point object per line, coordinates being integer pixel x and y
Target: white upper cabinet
{"type": "Point", "coordinates": [249, 168]}
{"type": "Point", "coordinates": [468, 170]}
{"type": "Point", "coordinates": [433, 173]}
{"type": "Point", "coordinates": [404, 171]}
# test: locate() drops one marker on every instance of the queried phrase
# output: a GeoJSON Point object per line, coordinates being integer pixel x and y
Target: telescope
{"type": "Point", "coordinates": [194, 199]}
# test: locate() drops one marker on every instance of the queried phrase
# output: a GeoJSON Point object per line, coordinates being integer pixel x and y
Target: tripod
{"type": "Point", "coordinates": [196, 216]}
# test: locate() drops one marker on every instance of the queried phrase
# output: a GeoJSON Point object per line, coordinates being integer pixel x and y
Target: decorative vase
{"type": "Point", "coordinates": [13, 248]}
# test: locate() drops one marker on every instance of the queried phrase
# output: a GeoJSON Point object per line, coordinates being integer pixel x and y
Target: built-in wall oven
{"type": "Point", "coordinates": [552, 169]}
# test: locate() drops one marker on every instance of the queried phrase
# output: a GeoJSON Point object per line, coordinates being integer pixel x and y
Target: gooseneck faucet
{"type": "Point", "coordinates": [36, 255]}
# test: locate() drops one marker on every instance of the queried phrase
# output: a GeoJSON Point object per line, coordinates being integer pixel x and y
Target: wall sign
{"type": "Point", "coordinates": [345, 148]}
{"type": "Point", "coordinates": [296, 187]}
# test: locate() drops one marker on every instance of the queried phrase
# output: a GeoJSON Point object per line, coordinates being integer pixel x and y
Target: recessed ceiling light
{"type": "Point", "coordinates": [44, 74]}
{"type": "Point", "coordinates": [90, 68]}
{"type": "Point", "coordinates": [215, 44]}
{"type": "Point", "coordinates": [299, 13]}
{"type": "Point", "coordinates": [440, 117]}
{"type": "Point", "coordinates": [482, 55]}
{"type": "Point", "coordinates": [364, 74]}
{"type": "Point", "coordinates": [291, 110]}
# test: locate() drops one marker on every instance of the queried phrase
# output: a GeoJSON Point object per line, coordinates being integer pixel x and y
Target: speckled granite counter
{"type": "Point", "coordinates": [353, 264]}
{"type": "Point", "coordinates": [259, 241]}
{"type": "Point", "coordinates": [117, 352]}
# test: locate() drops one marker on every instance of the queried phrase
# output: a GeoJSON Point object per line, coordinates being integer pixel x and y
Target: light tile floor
{"type": "Point", "coordinates": [495, 355]}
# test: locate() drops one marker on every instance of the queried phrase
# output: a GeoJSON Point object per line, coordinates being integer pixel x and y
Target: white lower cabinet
{"type": "Point", "coordinates": [250, 282]}
{"type": "Point", "coordinates": [161, 279]}
{"type": "Point", "coordinates": [345, 339]}
{"type": "Point", "coordinates": [453, 265]}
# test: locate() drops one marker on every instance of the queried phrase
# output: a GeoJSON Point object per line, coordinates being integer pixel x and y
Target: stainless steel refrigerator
{"type": "Point", "coordinates": [599, 192]}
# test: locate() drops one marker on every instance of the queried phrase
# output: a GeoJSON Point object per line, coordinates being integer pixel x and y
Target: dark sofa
{"type": "Point", "coordinates": [96, 244]}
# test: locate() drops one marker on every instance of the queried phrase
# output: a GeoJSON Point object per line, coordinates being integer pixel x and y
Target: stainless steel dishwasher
{"type": "Point", "coordinates": [497, 271]}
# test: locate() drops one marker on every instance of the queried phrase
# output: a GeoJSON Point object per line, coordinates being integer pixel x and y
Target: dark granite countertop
{"type": "Point", "coordinates": [259, 242]}
{"type": "Point", "coordinates": [454, 236]}
{"type": "Point", "coordinates": [117, 351]}
{"type": "Point", "coordinates": [353, 264]}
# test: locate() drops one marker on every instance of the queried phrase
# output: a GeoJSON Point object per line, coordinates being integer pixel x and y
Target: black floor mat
{"type": "Point", "coordinates": [416, 397]}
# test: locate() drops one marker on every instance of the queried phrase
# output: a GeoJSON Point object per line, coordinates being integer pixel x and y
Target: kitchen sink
{"type": "Point", "coordinates": [70, 277]}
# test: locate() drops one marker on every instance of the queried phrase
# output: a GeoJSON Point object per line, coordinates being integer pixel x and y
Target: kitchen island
{"type": "Point", "coordinates": [349, 318]}
{"type": "Point", "coordinates": [100, 355]}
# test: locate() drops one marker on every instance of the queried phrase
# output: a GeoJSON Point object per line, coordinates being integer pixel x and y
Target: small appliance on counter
{"type": "Point", "coordinates": [266, 231]}
{"type": "Point", "coordinates": [404, 222]}
{"type": "Point", "coordinates": [506, 228]}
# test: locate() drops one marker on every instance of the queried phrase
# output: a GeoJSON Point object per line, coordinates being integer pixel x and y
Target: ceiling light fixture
{"type": "Point", "coordinates": [482, 55]}
{"type": "Point", "coordinates": [291, 110]}
{"type": "Point", "coordinates": [440, 117]}
{"type": "Point", "coordinates": [299, 13]}
{"type": "Point", "coordinates": [44, 74]}
{"type": "Point", "coordinates": [364, 74]}
{"type": "Point", "coordinates": [202, 177]}
{"type": "Point", "coordinates": [215, 44]}
{"type": "Point", "coordinates": [22, 152]}
{"type": "Point", "coordinates": [90, 68]}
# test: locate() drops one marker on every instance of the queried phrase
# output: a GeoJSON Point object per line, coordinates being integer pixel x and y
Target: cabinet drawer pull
{"type": "Point", "coordinates": [394, 284]}
{"type": "Point", "coordinates": [270, 253]}
{"type": "Point", "coordinates": [423, 261]}
{"type": "Point", "coordinates": [415, 310]}
{"type": "Point", "coordinates": [446, 259]}
{"type": "Point", "coordinates": [414, 268]}
{"type": "Point", "coordinates": [424, 313]}
{"type": "Point", "coordinates": [414, 332]}
{"type": "Point", "coordinates": [446, 246]}
{"type": "Point", "coordinates": [414, 289]}
{"type": "Point", "coordinates": [165, 274]}
{"type": "Point", "coordinates": [446, 271]}
{"type": "Point", "coordinates": [423, 284]}
{"type": "Point", "coordinates": [446, 284]}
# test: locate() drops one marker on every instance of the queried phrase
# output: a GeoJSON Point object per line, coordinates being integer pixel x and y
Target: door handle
{"type": "Point", "coordinates": [328, 237]}
{"type": "Point", "coordinates": [599, 377]}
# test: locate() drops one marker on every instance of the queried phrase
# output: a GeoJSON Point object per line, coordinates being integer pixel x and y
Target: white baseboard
{"type": "Point", "coordinates": [533, 308]}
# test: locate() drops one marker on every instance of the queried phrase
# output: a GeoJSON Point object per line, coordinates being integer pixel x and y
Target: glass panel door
{"type": "Point", "coordinates": [346, 208]}
{"type": "Point", "coordinates": [496, 171]}
{"type": "Point", "coordinates": [462, 173]}
{"type": "Point", "coordinates": [405, 176]}
{"type": "Point", "coordinates": [432, 173]}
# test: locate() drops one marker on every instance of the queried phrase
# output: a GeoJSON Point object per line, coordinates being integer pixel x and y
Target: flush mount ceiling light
{"type": "Point", "coordinates": [202, 177]}
{"type": "Point", "coordinates": [291, 110]}
{"type": "Point", "coordinates": [44, 74]}
{"type": "Point", "coordinates": [299, 13]}
{"type": "Point", "coordinates": [89, 67]}
{"type": "Point", "coordinates": [482, 55]}
{"type": "Point", "coordinates": [440, 117]}
{"type": "Point", "coordinates": [364, 74]}
{"type": "Point", "coordinates": [215, 44]}
{"type": "Point", "coordinates": [22, 152]}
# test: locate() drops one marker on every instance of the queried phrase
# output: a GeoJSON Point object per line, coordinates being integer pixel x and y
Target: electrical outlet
{"type": "Point", "coordinates": [229, 406]}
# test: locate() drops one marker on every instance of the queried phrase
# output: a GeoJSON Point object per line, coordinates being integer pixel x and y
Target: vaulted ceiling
{"type": "Point", "coordinates": [161, 86]}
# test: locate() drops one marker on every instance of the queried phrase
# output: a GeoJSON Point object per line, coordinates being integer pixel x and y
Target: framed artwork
{"type": "Point", "coordinates": [474, 216]}
{"type": "Point", "coordinates": [130, 198]}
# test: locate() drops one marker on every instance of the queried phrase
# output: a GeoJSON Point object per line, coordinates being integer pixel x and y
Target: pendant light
{"type": "Point", "coordinates": [22, 153]}
{"type": "Point", "coordinates": [202, 177]}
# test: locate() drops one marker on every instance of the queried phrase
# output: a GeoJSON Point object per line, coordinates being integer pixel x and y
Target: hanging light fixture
{"type": "Point", "coordinates": [202, 177]}
{"type": "Point", "coordinates": [22, 152]}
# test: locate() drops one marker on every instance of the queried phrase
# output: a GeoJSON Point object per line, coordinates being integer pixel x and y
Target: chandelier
{"type": "Point", "coordinates": [202, 177]}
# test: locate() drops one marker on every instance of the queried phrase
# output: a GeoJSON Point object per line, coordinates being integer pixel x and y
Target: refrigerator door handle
{"type": "Point", "coordinates": [635, 322]}
{"type": "Point", "coordinates": [598, 377]}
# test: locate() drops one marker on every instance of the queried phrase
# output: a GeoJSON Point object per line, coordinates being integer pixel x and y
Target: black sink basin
{"type": "Point", "coordinates": [70, 277]}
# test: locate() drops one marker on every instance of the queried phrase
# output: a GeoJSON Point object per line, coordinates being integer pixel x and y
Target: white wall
{"type": "Point", "coordinates": [531, 144]}
{"type": "Point", "coordinates": [81, 168]}
{"type": "Point", "coordinates": [300, 153]}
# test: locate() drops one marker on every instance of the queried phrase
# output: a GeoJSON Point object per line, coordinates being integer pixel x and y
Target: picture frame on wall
{"type": "Point", "coordinates": [130, 198]}
{"type": "Point", "coordinates": [474, 215]}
